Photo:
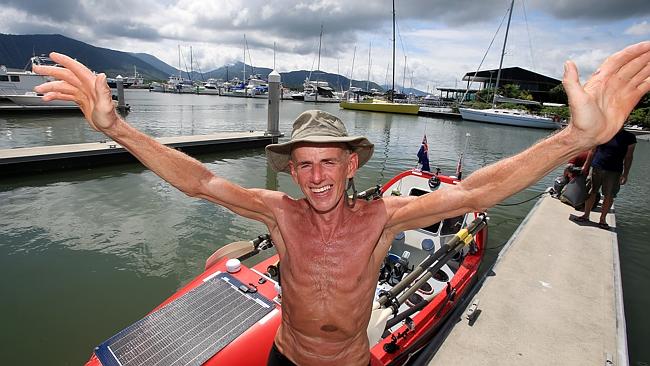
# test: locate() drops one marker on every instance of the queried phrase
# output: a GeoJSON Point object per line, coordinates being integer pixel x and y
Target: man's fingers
{"type": "Point", "coordinates": [644, 87]}
{"type": "Point", "coordinates": [58, 73]}
{"type": "Point", "coordinates": [56, 86]}
{"type": "Point", "coordinates": [642, 75]}
{"type": "Point", "coordinates": [55, 95]}
{"type": "Point", "coordinates": [622, 57]}
{"type": "Point", "coordinates": [633, 68]}
{"type": "Point", "coordinates": [77, 68]}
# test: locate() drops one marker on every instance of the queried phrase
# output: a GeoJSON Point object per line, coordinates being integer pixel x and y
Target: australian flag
{"type": "Point", "coordinates": [423, 156]}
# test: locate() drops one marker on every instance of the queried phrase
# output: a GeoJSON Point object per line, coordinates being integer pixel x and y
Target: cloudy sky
{"type": "Point", "coordinates": [441, 39]}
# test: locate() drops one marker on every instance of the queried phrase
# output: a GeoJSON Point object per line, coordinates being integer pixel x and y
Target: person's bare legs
{"type": "Point", "coordinates": [591, 200]}
{"type": "Point", "coordinates": [607, 204]}
{"type": "Point", "coordinates": [589, 204]}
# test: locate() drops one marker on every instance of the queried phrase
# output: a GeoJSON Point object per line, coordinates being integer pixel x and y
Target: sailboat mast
{"type": "Point", "coordinates": [244, 59]}
{"type": "Point", "coordinates": [354, 55]}
{"type": "Point", "coordinates": [503, 51]}
{"type": "Point", "coordinates": [404, 77]}
{"type": "Point", "coordinates": [179, 63]}
{"type": "Point", "coordinates": [320, 41]}
{"type": "Point", "coordinates": [369, 65]}
{"type": "Point", "coordinates": [392, 94]}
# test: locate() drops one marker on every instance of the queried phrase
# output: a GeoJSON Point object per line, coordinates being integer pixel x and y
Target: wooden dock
{"type": "Point", "coordinates": [554, 297]}
{"type": "Point", "coordinates": [28, 160]}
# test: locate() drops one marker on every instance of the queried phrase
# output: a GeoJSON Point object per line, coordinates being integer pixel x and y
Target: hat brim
{"type": "Point", "coordinates": [279, 155]}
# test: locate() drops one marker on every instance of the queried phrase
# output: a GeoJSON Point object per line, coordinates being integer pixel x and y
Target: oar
{"type": "Point", "coordinates": [237, 249]}
{"type": "Point", "coordinates": [381, 311]}
{"type": "Point", "coordinates": [457, 242]}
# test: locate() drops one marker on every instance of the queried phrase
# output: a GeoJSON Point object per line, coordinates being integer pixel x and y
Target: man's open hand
{"type": "Point", "coordinates": [75, 82]}
{"type": "Point", "coordinates": [601, 106]}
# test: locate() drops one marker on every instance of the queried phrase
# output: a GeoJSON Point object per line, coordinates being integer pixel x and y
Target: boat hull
{"type": "Point", "coordinates": [504, 117]}
{"type": "Point", "coordinates": [401, 108]}
{"type": "Point", "coordinates": [37, 102]}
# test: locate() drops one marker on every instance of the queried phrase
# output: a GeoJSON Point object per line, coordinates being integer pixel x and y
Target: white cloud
{"type": "Point", "coordinates": [443, 40]}
{"type": "Point", "coordinates": [639, 29]}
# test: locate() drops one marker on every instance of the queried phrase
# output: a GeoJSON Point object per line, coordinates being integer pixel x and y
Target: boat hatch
{"type": "Point", "coordinates": [190, 329]}
{"type": "Point", "coordinates": [450, 226]}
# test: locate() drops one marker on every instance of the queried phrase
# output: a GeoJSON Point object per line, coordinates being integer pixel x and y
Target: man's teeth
{"type": "Point", "coordinates": [321, 189]}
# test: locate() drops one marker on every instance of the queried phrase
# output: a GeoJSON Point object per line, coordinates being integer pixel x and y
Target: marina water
{"type": "Point", "coordinates": [85, 253]}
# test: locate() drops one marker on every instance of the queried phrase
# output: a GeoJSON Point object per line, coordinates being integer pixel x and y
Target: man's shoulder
{"type": "Point", "coordinates": [275, 197]}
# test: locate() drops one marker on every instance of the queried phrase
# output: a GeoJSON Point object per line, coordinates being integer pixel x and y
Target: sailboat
{"type": "Point", "coordinates": [375, 105]}
{"type": "Point", "coordinates": [511, 117]}
{"type": "Point", "coordinates": [319, 91]}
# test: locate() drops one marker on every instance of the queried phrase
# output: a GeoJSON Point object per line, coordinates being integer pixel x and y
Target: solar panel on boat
{"type": "Point", "coordinates": [190, 329]}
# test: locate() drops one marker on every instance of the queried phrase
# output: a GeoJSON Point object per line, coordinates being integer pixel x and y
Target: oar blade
{"type": "Point", "coordinates": [232, 250]}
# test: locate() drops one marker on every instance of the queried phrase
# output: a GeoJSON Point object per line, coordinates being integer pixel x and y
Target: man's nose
{"type": "Point", "coordinates": [317, 173]}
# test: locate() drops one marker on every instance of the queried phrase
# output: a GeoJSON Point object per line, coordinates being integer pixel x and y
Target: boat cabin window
{"type": "Point", "coordinates": [419, 192]}
{"type": "Point", "coordinates": [15, 78]}
{"type": "Point", "coordinates": [4, 78]}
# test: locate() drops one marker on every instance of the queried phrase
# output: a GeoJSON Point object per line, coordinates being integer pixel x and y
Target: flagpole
{"type": "Point", "coordinates": [459, 166]}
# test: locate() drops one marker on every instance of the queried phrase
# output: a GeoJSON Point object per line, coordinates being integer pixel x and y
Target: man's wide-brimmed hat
{"type": "Point", "coordinates": [317, 127]}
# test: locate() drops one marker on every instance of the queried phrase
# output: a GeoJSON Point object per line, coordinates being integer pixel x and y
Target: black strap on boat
{"type": "Point", "coordinates": [403, 315]}
{"type": "Point", "coordinates": [391, 301]}
{"type": "Point", "coordinates": [451, 296]}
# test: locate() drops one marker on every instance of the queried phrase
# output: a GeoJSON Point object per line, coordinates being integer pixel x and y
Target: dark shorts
{"type": "Point", "coordinates": [607, 181]}
{"type": "Point", "coordinates": [278, 359]}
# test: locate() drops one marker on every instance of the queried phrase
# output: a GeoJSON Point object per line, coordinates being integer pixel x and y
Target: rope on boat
{"type": "Point", "coordinates": [522, 202]}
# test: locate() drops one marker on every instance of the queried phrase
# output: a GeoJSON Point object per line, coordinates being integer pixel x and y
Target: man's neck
{"type": "Point", "coordinates": [327, 223]}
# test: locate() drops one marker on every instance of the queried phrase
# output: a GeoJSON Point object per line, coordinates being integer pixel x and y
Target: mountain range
{"type": "Point", "coordinates": [16, 50]}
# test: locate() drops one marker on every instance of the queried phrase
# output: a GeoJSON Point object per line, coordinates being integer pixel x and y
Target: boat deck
{"type": "Point", "coordinates": [554, 298]}
{"type": "Point", "coordinates": [28, 160]}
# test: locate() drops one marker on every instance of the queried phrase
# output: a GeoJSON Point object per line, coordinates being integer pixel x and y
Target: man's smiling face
{"type": "Point", "coordinates": [322, 171]}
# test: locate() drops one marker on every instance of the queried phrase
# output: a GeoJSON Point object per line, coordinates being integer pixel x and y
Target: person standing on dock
{"type": "Point", "coordinates": [331, 248]}
{"type": "Point", "coordinates": [610, 165]}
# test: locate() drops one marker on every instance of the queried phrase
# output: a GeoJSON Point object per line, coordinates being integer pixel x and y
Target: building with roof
{"type": "Point", "coordinates": [537, 85]}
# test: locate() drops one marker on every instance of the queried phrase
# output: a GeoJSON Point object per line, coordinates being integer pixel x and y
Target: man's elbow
{"type": "Point", "coordinates": [474, 200]}
{"type": "Point", "coordinates": [198, 187]}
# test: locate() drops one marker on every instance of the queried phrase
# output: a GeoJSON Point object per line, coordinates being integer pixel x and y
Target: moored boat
{"type": "Point", "coordinates": [381, 106]}
{"type": "Point", "coordinates": [511, 117]}
{"type": "Point", "coordinates": [229, 314]}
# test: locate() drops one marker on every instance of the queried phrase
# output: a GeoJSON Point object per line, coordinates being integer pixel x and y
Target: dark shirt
{"type": "Point", "coordinates": [610, 155]}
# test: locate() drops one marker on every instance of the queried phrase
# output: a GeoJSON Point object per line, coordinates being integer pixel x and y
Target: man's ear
{"type": "Point", "coordinates": [292, 170]}
{"type": "Point", "coordinates": [353, 164]}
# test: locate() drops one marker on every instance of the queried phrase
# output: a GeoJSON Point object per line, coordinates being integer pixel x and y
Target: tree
{"type": "Point", "coordinates": [558, 95]}
{"type": "Point", "coordinates": [640, 116]}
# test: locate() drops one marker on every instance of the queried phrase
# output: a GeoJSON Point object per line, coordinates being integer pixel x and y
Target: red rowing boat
{"type": "Point", "coordinates": [229, 314]}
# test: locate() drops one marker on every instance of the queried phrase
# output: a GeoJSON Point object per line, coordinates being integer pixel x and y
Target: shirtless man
{"type": "Point", "coordinates": [331, 250]}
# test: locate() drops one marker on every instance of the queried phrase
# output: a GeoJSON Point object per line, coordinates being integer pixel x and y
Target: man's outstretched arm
{"type": "Point", "coordinates": [77, 83]}
{"type": "Point", "coordinates": [598, 110]}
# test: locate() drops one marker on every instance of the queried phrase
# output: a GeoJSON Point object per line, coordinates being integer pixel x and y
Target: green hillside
{"type": "Point", "coordinates": [15, 51]}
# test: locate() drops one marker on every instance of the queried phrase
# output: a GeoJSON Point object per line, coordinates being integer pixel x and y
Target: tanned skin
{"type": "Point", "coordinates": [331, 252]}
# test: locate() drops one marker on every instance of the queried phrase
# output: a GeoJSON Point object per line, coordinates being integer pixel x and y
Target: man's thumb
{"type": "Point", "coordinates": [570, 81]}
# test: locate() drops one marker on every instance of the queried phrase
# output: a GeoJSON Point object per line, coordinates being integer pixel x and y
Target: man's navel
{"type": "Point", "coordinates": [329, 328]}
